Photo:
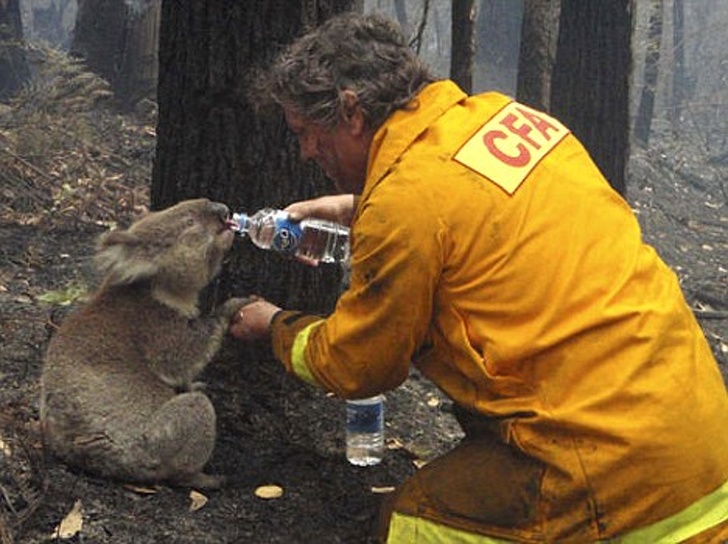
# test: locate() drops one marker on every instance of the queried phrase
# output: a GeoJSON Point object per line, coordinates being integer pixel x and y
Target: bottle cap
{"type": "Point", "coordinates": [239, 222]}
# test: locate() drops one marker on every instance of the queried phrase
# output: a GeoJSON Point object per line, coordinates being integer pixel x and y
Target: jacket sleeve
{"type": "Point", "coordinates": [365, 346]}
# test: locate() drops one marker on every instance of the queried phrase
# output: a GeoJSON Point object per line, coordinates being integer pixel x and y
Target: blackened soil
{"type": "Point", "coordinates": [273, 429]}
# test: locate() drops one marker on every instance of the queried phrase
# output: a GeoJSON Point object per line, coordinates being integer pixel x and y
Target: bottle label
{"type": "Point", "coordinates": [287, 235]}
{"type": "Point", "coordinates": [364, 418]}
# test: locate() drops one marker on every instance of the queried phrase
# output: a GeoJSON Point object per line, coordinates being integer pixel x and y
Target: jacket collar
{"type": "Point", "coordinates": [405, 125]}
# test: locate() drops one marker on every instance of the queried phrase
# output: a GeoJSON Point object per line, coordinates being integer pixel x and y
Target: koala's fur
{"type": "Point", "coordinates": [117, 394]}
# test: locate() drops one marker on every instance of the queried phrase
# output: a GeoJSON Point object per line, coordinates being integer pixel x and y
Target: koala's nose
{"type": "Point", "coordinates": [220, 210]}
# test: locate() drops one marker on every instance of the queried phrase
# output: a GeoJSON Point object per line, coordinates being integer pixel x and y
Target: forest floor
{"type": "Point", "coordinates": [65, 181]}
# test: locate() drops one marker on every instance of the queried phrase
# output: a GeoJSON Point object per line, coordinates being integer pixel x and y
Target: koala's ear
{"type": "Point", "coordinates": [121, 258]}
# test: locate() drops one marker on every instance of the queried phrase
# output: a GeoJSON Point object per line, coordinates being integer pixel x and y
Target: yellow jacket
{"type": "Point", "coordinates": [488, 249]}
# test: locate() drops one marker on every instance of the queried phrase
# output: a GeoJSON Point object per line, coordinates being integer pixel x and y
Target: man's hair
{"type": "Point", "coordinates": [366, 54]}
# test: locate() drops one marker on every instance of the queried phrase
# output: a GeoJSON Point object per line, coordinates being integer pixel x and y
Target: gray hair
{"type": "Point", "coordinates": [366, 54]}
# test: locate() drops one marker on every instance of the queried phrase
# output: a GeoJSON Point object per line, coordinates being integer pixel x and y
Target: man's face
{"type": "Point", "coordinates": [341, 151]}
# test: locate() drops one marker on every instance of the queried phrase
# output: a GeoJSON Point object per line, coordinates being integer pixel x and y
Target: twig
{"type": "Point", "coordinates": [28, 164]}
{"type": "Point", "coordinates": [710, 314]}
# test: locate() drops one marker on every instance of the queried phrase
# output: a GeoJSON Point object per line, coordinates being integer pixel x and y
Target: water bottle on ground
{"type": "Point", "coordinates": [365, 431]}
{"type": "Point", "coordinates": [314, 239]}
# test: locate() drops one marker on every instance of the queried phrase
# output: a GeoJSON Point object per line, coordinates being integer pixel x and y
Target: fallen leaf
{"type": "Point", "coordinates": [141, 489]}
{"type": "Point", "coordinates": [71, 524]}
{"type": "Point", "coordinates": [198, 500]}
{"type": "Point", "coordinates": [433, 402]}
{"type": "Point", "coordinates": [419, 463]}
{"type": "Point", "coordinates": [394, 444]}
{"type": "Point", "coordinates": [5, 448]}
{"type": "Point", "coordinates": [64, 297]}
{"type": "Point", "coordinates": [269, 492]}
{"type": "Point", "coordinates": [382, 489]}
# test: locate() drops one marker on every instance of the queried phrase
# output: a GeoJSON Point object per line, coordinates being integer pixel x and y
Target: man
{"type": "Point", "coordinates": [489, 251]}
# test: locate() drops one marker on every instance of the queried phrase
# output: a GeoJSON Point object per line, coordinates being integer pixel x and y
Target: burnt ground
{"type": "Point", "coordinates": [272, 429]}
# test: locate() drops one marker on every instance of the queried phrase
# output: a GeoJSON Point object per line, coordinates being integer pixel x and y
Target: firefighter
{"type": "Point", "coordinates": [490, 252]}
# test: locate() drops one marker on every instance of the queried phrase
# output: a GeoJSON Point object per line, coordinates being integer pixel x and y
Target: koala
{"type": "Point", "coordinates": [118, 397]}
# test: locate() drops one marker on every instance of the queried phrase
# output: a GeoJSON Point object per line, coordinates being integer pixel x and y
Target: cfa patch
{"type": "Point", "coordinates": [510, 145]}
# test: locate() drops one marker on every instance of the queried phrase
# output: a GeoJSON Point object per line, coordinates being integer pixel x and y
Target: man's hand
{"type": "Point", "coordinates": [337, 208]}
{"type": "Point", "coordinates": [252, 321]}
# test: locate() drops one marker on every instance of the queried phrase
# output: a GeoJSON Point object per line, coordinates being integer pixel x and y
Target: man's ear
{"type": "Point", "coordinates": [352, 113]}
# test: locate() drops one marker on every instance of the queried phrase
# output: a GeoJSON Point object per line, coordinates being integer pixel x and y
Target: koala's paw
{"type": "Point", "coordinates": [190, 386]}
{"type": "Point", "coordinates": [230, 307]}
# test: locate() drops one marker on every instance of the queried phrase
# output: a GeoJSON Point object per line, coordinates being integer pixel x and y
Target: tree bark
{"type": "Point", "coordinates": [99, 34]}
{"type": "Point", "coordinates": [539, 33]}
{"type": "Point", "coordinates": [400, 10]}
{"type": "Point", "coordinates": [462, 51]}
{"type": "Point", "coordinates": [137, 78]}
{"type": "Point", "coordinates": [590, 92]}
{"type": "Point", "coordinates": [679, 79]}
{"type": "Point", "coordinates": [645, 110]}
{"type": "Point", "coordinates": [118, 41]}
{"type": "Point", "coordinates": [14, 70]}
{"type": "Point", "coordinates": [210, 143]}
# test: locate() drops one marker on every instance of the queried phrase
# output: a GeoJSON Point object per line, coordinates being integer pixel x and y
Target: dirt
{"type": "Point", "coordinates": [273, 430]}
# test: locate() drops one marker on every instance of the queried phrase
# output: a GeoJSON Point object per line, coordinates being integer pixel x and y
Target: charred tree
{"type": "Point", "coordinates": [498, 36]}
{"type": "Point", "coordinates": [590, 92]}
{"type": "Point", "coordinates": [99, 34]}
{"type": "Point", "coordinates": [646, 107]}
{"type": "Point", "coordinates": [46, 20]}
{"type": "Point", "coordinates": [14, 70]}
{"type": "Point", "coordinates": [400, 10]}
{"type": "Point", "coordinates": [539, 33]}
{"type": "Point", "coordinates": [118, 41]}
{"type": "Point", "coordinates": [680, 82]}
{"type": "Point", "coordinates": [462, 51]}
{"type": "Point", "coordinates": [211, 143]}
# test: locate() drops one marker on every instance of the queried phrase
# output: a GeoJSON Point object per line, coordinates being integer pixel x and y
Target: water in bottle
{"type": "Point", "coordinates": [365, 431]}
{"type": "Point", "coordinates": [314, 239]}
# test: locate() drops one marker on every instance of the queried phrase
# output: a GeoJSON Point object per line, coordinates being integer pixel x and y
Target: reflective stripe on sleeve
{"type": "Point", "coordinates": [298, 359]}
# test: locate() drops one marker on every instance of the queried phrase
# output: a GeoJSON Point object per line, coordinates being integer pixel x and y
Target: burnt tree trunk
{"type": "Point", "coordinates": [590, 92]}
{"type": "Point", "coordinates": [99, 35]}
{"type": "Point", "coordinates": [646, 107]}
{"type": "Point", "coordinates": [462, 51]}
{"type": "Point", "coordinates": [137, 76]}
{"type": "Point", "coordinates": [679, 79]}
{"type": "Point", "coordinates": [210, 143]}
{"type": "Point", "coordinates": [539, 32]}
{"type": "Point", "coordinates": [14, 71]}
{"type": "Point", "coordinates": [118, 41]}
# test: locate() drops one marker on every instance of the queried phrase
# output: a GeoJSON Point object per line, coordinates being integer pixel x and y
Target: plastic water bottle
{"type": "Point", "coordinates": [365, 431]}
{"type": "Point", "coordinates": [314, 239]}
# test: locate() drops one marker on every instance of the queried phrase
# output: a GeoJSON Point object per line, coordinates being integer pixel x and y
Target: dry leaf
{"type": "Point", "coordinates": [419, 463]}
{"type": "Point", "coordinates": [269, 492]}
{"type": "Point", "coordinates": [382, 489]}
{"type": "Point", "coordinates": [198, 500]}
{"type": "Point", "coordinates": [5, 448]}
{"type": "Point", "coordinates": [141, 489]}
{"type": "Point", "coordinates": [394, 444]}
{"type": "Point", "coordinates": [433, 402]}
{"type": "Point", "coordinates": [71, 524]}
